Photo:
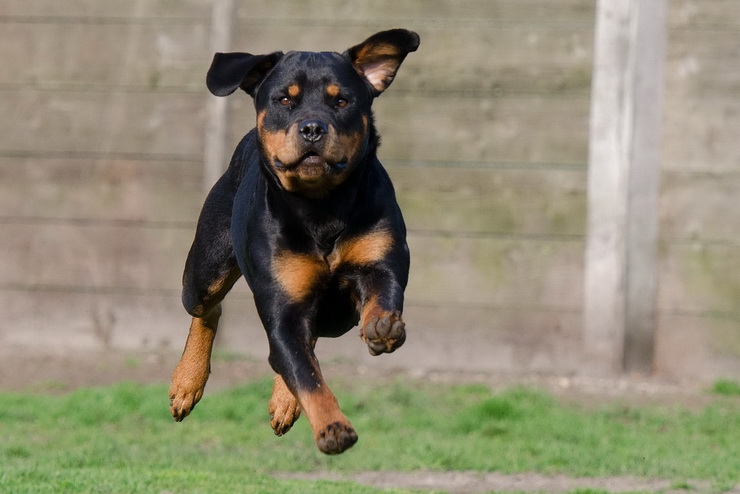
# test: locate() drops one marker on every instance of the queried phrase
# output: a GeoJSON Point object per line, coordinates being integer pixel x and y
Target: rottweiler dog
{"type": "Point", "coordinates": [308, 215]}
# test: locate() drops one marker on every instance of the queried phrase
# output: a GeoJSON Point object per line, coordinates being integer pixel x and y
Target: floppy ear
{"type": "Point", "coordinates": [377, 58]}
{"type": "Point", "coordinates": [230, 71]}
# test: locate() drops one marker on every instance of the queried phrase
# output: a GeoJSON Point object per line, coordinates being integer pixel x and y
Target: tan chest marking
{"type": "Point", "coordinates": [298, 274]}
{"type": "Point", "coordinates": [362, 250]}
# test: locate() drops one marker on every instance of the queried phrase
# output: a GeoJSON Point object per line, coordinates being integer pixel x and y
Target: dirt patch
{"type": "Point", "coordinates": [478, 482]}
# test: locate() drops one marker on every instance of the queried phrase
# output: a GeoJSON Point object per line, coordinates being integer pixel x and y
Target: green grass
{"type": "Point", "coordinates": [121, 439]}
{"type": "Point", "coordinates": [726, 387]}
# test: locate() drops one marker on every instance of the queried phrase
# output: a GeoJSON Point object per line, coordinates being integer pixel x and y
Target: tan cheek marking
{"type": "Point", "coordinates": [297, 274]}
{"type": "Point", "coordinates": [351, 144]}
{"type": "Point", "coordinates": [362, 250]}
{"type": "Point", "coordinates": [278, 145]}
{"type": "Point", "coordinates": [346, 146]}
{"type": "Point", "coordinates": [271, 141]}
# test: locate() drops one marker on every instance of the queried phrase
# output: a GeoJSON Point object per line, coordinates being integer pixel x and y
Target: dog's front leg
{"type": "Point", "coordinates": [292, 357]}
{"type": "Point", "coordinates": [381, 305]}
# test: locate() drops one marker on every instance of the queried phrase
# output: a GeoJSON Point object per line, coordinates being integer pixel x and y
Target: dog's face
{"type": "Point", "coordinates": [314, 118]}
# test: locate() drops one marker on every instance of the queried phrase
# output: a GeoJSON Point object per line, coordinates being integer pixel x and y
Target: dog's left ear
{"type": "Point", "coordinates": [230, 71]}
{"type": "Point", "coordinates": [377, 58]}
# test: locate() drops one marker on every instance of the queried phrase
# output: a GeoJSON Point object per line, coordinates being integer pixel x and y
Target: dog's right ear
{"type": "Point", "coordinates": [377, 58]}
{"type": "Point", "coordinates": [230, 71]}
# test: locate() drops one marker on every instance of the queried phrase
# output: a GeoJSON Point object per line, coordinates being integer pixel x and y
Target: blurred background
{"type": "Point", "coordinates": [108, 139]}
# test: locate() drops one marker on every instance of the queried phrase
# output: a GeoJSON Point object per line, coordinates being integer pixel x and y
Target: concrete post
{"type": "Point", "coordinates": [215, 153]}
{"type": "Point", "coordinates": [623, 185]}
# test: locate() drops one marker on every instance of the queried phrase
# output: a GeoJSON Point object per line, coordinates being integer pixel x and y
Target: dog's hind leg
{"type": "Point", "coordinates": [283, 407]}
{"type": "Point", "coordinates": [210, 272]}
{"type": "Point", "coordinates": [190, 376]}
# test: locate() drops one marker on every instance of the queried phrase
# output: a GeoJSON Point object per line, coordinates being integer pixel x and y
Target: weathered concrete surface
{"type": "Point", "coordinates": [102, 124]}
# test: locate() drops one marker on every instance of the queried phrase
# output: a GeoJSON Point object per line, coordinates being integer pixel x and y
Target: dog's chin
{"type": "Point", "coordinates": [312, 167]}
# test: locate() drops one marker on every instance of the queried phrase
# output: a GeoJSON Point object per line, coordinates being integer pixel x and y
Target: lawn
{"type": "Point", "coordinates": [122, 439]}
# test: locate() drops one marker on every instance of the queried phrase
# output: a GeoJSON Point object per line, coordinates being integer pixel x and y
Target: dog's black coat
{"type": "Point", "coordinates": [308, 215]}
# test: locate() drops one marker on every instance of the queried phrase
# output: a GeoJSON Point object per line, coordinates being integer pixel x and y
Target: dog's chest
{"type": "Point", "coordinates": [299, 274]}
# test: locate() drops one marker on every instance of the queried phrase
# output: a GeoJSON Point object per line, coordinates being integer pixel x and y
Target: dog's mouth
{"type": "Point", "coordinates": [312, 174]}
{"type": "Point", "coordinates": [312, 159]}
{"type": "Point", "coordinates": [312, 164]}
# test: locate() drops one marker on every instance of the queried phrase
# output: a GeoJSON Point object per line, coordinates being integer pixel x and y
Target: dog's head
{"type": "Point", "coordinates": [314, 117]}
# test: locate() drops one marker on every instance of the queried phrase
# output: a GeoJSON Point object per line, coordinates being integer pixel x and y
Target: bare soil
{"type": "Point", "coordinates": [480, 482]}
{"type": "Point", "coordinates": [59, 373]}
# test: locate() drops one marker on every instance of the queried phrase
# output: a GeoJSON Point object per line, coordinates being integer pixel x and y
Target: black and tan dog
{"type": "Point", "coordinates": [308, 215]}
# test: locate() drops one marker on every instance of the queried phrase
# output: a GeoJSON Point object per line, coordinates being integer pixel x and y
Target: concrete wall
{"type": "Point", "coordinates": [102, 125]}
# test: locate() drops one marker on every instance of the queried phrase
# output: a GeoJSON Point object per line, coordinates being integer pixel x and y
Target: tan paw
{"type": "Point", "coordinates": [283, 407]}
{"type": "Point", "coordinates": [188, 383]}
{"type": "Point", "coordinates": [183, 400]}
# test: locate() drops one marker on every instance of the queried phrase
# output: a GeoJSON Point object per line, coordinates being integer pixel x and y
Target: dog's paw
{"type": "Point", "coordinates": [336, 438]}
{"type": "Point", "coordinates": [385, 333]}
{"type": "Point", "coordinates": [188, 384]}
{"type": "Point", "coordinates": [283, 407]}
{"type": "Point", "coordinates": [183, 400]}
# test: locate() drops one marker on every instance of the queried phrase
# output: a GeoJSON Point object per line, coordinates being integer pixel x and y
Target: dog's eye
{"type": "Point", "coordinates": [341, 103]}
{"type": "Point", "coordinates": [284, 101]}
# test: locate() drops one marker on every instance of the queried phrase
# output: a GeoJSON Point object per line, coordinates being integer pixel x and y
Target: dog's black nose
{"type": "Point", "coordinates": [313, 130]}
